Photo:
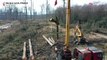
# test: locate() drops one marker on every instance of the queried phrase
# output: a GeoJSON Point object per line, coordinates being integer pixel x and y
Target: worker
{"type": "Point", "coordinates": [66, 54]}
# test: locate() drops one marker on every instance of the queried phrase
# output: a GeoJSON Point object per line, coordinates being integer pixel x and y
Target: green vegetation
{"type": "Point", "coordinates": [90, 17]}
{"type": "Point", "coordinates": [11, 40]}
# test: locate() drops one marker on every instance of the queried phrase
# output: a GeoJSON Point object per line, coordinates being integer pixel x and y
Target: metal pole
{"type": "Point", "coordinates": [57, 31]}
{"type": "Point", "coordinates": [67, 24]}
{"type": "Point", "coordinates": [57, 24]}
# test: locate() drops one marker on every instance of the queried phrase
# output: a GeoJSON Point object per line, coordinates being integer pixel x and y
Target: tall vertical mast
{"type": "Point", "coordinates": [67, 23]}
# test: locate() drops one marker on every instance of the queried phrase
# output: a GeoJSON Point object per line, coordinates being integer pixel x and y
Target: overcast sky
{"type": "Point", "coordinates": [38, 3]}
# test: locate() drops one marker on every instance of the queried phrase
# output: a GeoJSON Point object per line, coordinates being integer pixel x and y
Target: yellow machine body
{"type": "Point", "coordinates": [78, 33]}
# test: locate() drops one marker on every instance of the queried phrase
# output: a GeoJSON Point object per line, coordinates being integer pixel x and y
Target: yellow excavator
{"type": "Point", "coordinates": [78, 35]}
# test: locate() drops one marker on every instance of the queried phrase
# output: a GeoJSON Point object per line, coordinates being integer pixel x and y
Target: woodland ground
{"type": "Point", "coordinates": [12, 39]}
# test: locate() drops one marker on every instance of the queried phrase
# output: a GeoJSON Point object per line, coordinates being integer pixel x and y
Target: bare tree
{"type": "Point", "coordinates": [47, 8]}
{"type": "Point", "coordinates": [42, 8]}
{"type": "Point", "coordinates": [31, 10]}
{"type": "Point", "coordinates": [25, 10]}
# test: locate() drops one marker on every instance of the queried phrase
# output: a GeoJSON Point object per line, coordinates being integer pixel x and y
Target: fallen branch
{"type": "Point", "coordinates": [24, 52]}
{"type": "Point", "coordinates": [31, 50]}
{"type": "Point", "coordinates": [49, 40]}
